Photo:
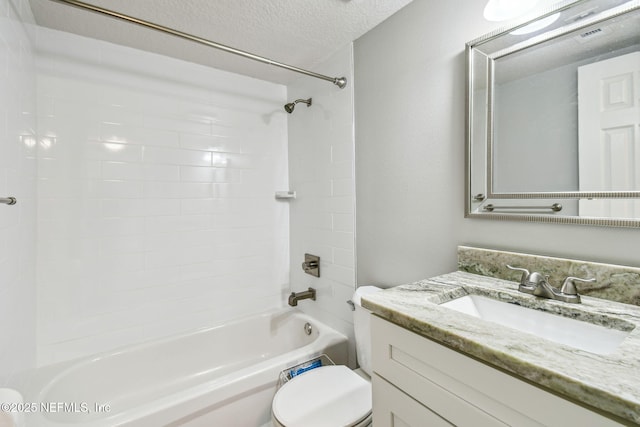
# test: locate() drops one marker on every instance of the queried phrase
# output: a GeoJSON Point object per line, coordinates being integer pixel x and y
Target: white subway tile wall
{"type": "Point", "coordinates": [321, 171]}
{"type": "Point", "coordinates": [156, 196]}
{"type": "Point", "coordinates": [18, 179]}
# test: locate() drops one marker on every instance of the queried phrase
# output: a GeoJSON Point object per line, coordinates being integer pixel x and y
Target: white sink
{"type": "Point", "coordinates": [574, 333]}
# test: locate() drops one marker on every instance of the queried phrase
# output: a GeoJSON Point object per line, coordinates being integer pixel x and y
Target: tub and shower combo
{"type": "Point", "coordinates": [225, 375]}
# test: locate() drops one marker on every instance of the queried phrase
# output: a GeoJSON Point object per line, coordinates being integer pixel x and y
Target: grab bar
{"type": "Point", "coordinates": [556, 207]}
{"type": "Point", "coordinates": [8, 200]}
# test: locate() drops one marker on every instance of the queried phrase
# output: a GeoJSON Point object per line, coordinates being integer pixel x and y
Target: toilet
{"type": "Point", "coordinates": [331, 395]}
{"type": "Point", "coordinates": [11, 418]}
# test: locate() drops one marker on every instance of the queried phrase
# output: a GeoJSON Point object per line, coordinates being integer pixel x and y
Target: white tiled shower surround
{"type": "Point", "coordinates": [156, 196]}
{"type": "Point", "coordinates": [321, 171]}
{"type": "Point", "coordinates": [147, 186]}
{"type": "Point", "coordinates": [17, 178]}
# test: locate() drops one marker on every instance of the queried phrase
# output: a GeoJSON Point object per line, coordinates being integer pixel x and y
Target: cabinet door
{"type": "Point", "coordinates": [393, 408]}
{"type": "Point", "coordinates": [466, 392]}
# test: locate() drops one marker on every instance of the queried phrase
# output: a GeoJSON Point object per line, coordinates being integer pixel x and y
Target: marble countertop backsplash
{"type": "Point", "coordinates": [613, 282]}
{"type": "Point", "coordinates": [574, 373]}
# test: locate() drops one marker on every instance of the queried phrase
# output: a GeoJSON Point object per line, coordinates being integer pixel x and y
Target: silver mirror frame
{"type": "Point", "coordinates": [481, 205]}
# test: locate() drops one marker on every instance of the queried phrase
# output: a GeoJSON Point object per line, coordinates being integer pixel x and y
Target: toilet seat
{"type": "Point", "coordinates": [326, 396]}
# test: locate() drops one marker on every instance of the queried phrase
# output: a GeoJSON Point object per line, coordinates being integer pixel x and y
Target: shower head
{"type": "Point", "coordinates": [290, 106]}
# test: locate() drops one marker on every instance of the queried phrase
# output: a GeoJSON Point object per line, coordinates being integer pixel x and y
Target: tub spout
{"type": "Point", "coordinates": [297, 296]}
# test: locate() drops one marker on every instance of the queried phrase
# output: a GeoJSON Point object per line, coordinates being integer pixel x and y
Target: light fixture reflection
{"type": "Point", "coordinates": [537, 25]}
{"type": "Point", "coordinates": [111, 146]}
{"type": "Point", "coordinates": [47, 142]}
{"type": "Point", "coordinates": [219, 160]}
{"type": "Point", "coordinates": [29, 141]}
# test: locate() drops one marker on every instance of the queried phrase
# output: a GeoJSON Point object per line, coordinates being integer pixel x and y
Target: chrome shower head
{"type": "Point", "coordinates": [290, 106]}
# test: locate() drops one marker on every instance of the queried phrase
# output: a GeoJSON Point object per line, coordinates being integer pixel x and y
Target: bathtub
{"type": "Point", "coordinates": [220, 376]}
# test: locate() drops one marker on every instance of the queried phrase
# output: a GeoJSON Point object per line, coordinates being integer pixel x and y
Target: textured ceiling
{"type": "Point", "coordinates": [302, 33]}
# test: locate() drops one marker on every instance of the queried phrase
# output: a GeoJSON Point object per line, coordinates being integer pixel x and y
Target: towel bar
{"type": "Point", "coordinates": [556, 207]}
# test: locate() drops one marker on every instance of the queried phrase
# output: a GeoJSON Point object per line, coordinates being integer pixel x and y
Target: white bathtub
{"type": "Point", "coordinates": [220, 376]}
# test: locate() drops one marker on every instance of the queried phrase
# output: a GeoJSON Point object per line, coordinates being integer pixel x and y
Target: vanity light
{"type": "Point", "coordinates": [503, 10]}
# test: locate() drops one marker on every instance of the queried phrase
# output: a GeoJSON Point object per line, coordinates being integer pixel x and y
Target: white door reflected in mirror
{"type": "Point", "coordinates": [609, 134]}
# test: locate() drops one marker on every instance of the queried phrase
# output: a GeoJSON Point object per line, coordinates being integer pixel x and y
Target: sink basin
{"type": "Point", "coordinates": [574, 333]}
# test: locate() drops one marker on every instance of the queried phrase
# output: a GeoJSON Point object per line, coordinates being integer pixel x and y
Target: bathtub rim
{"type": "Point", "coordinates": [327, 337]}
{"type": "Point", "coordinates": [41, 374]}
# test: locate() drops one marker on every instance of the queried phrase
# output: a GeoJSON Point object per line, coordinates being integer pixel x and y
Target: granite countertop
{"type": "Point", "coordinates": [609, 382]}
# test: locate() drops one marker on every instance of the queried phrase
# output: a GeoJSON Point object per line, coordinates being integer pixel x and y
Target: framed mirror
{"type": "Point", "coordinates": [553, 117]}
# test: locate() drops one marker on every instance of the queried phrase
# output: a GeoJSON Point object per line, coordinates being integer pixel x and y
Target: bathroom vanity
{"type": "Point", "coordinates": [436, 366]}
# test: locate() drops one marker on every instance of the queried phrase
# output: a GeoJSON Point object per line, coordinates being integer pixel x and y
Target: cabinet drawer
{"type": "Point", "coordinates": [393, 408]}
{"type": "Point", "coordinates": [465, 391]}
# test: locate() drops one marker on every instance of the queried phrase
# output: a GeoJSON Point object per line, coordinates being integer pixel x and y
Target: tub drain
{"type": "Point", "coordinates": [307, 328]}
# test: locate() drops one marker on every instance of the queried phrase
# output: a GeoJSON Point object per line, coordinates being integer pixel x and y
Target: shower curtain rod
{"type": "Point", "coordinates": [341, 82]}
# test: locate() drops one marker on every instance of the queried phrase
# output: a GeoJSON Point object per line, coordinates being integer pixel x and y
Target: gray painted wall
{"type": "Point", "coordinates": [410, 118]}
{"type": "Point", "coordinates": [539, 117]}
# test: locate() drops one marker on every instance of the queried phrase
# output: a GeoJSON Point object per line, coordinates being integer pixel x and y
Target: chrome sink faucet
{"type": "Point", "coordinates": [536, 284]}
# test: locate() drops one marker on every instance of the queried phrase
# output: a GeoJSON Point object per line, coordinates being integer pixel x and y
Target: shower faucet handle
{"type": "Point", "coordinates": [311, 265]}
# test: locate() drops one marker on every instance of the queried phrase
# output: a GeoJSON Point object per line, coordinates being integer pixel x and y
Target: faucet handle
{"type": "Point", "coordinates": [569, 286]}
{"type": "Point", "coordinates": [525, 273]}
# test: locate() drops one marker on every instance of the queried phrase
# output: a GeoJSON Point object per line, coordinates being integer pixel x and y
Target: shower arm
{"type": "Point", "coordinates": [341, 82]}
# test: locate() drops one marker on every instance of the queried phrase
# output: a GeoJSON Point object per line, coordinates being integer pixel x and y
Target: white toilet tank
{"type": "Point", "coordinates": [362, 327]}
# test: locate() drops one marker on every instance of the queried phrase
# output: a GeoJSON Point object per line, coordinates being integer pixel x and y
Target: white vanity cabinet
{"type": "Point", "coordinates": [420, 383]}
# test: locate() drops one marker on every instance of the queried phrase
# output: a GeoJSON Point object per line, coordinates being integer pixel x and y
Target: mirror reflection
{"type": "Point", "coordinates": [554, 115]}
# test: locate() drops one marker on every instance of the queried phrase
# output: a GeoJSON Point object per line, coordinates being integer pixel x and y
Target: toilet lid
{"type": "Point", "coordinates": [327, 396]}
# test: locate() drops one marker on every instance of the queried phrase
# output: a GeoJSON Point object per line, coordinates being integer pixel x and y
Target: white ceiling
{"type": "Point", "coordinates": [302, 33]}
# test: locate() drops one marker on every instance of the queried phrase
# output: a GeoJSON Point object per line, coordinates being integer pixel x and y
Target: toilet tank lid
{"type": "Point", "coordinates": [364, 290]}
